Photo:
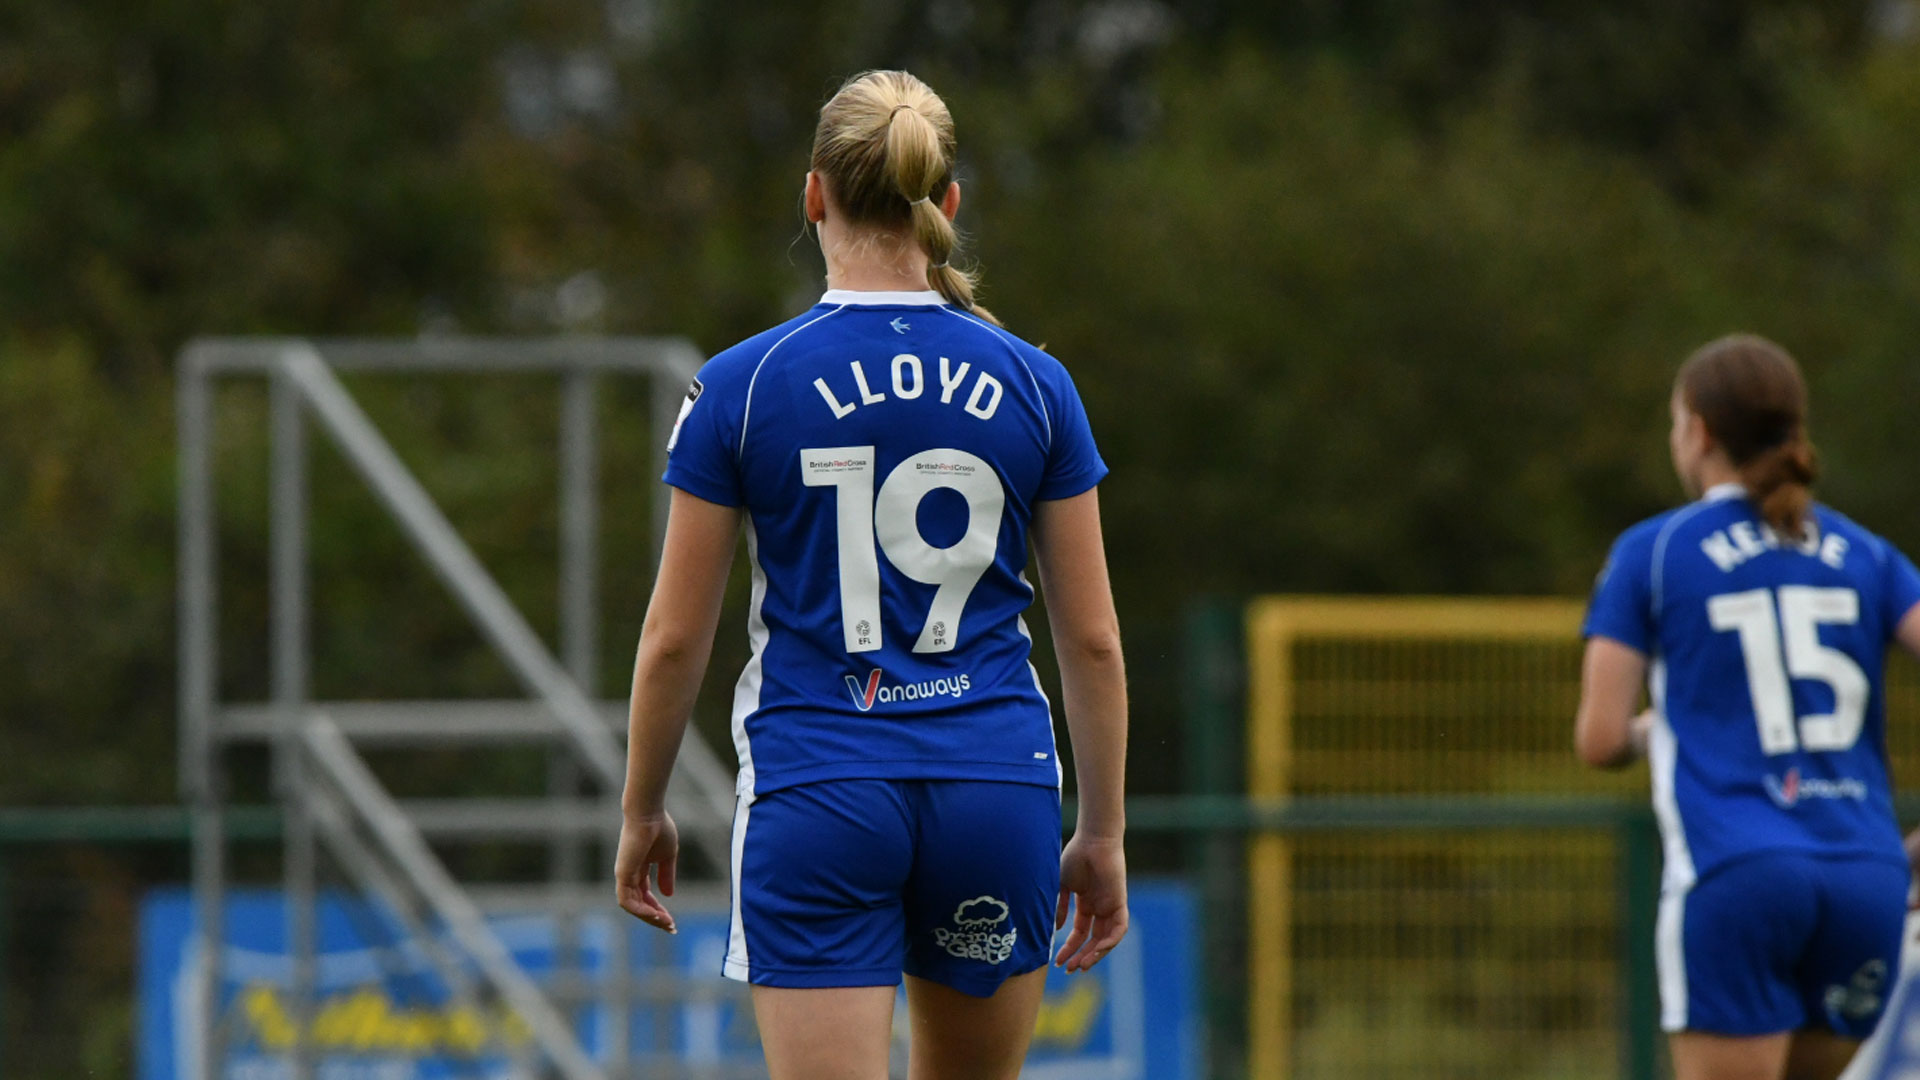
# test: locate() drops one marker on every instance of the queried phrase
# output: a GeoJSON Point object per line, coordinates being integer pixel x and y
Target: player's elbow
{"type": "Point", "coordinates": [666, 646]}
{"type": "Point", "coordinates": [1098, 646]}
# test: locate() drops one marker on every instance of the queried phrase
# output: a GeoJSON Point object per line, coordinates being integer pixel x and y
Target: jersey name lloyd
{"type": "Point", "coordinates": [909, 380]}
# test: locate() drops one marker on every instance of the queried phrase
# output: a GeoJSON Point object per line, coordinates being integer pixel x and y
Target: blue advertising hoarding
{"type": "Point", "coordinates": [381, 1012]}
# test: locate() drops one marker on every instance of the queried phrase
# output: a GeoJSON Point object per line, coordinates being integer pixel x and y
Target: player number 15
{"type": "Point", "coordinates": [1776, 649]}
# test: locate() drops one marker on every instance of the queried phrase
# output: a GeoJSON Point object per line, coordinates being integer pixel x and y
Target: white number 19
{"type": "Point", "coordinates": [893, 517]}
{"type": "Point", "coordinates": [1803, 610]}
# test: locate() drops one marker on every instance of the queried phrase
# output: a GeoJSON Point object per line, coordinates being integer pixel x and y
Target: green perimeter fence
{"type": "Point", "coordinates": [1430, 937]}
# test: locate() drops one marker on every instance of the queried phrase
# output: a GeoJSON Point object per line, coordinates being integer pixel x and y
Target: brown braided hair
{"type": "Point", "coordinates": [1751, 396]}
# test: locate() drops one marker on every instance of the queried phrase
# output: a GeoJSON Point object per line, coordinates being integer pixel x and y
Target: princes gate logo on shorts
{"type": "Point", "coordinates": [1787, 791]}
{"type": "Point", "coordinates": [875, 692]}
{"type": "Point", "coordinates": [979, 931]}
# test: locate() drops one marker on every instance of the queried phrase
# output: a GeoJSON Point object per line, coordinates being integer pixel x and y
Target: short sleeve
{"type": "Point", "coordinates": [1901, 589]}
{"type": "Point", "coordinates": [1073, 461]}
{"type": "Point", "coordinates": [1622, 605]}
{"type": "Point", "coordinates": [701, 458]}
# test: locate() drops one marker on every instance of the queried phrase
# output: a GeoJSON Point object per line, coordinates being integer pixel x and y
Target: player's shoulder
{"type": "Point", "coordinates": [730, 370]}
{"type": "Point", "coordinates": [1834, 523]}
{"type": "Point", "coordinates": [1644, 536]}
{"type": "Point", "coordinates": [1047, 368]}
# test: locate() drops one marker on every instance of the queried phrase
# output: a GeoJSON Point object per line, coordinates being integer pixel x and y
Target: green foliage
{"type": "Point", "coordinates": [1359, 356]}
{"type": "Point", "coordinates": [1345, 319]}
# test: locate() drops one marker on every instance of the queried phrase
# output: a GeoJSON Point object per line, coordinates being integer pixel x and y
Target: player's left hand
{"type": "Point", "coordinates": [1093, 875]}
{"type": "Point", "coordinates": [646, 842]}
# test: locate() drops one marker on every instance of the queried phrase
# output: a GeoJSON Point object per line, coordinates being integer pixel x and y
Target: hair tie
{"type": "Point", "coordinates": [896, 109]}
{"type": "Point", "coordinates": [921, 199]}
{"type": "Point", "coordinates": [937, 266]}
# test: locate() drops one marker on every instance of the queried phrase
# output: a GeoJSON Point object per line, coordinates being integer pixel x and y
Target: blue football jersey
{"type": "Point", "coordinates": [1766, 678]}
{"type": "Point", "coordinates": [889, 450]}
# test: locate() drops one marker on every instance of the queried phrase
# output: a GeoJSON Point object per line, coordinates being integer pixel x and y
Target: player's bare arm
{"type": "Point", "coordinates": [1072, 562]}
{"type": "Point", "coordinates": [1608, 733]}
{"type": "Point", "coordinates": [675, 642]}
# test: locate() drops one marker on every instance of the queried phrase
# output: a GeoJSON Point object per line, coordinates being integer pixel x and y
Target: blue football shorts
{"type": "Point", "coordinates": [1782, 941]}
{"type": "Point", "coordinates": [852, 882]}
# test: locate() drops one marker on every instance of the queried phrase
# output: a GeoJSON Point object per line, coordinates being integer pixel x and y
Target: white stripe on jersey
{"type": "Point", "coordinates": [1046, 419]}
{"type": "Point", "coordinates": [747, 410]}
{"type": "Point", "coordinates": [1053, 743]}
{"type": "Point", "coordinates": [735, 966]}
{"type": "Point", "coordinates": [1663, 753]}
{"type": "Point", "coordinates": [1669, 952]}
{"type": "Point", "coordinates": [1670, 959]}
{"type": "Point", "coordinates": [746, 693]}
{"type": "Point", "coordinates": [746, 701]}
{"type": "Point", "coordinates": [1658, 572]}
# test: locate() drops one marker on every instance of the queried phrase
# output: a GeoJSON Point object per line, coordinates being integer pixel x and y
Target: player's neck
{"type": "Point", "coordinates": [867, 261]}
{"type": "Point", "coordinates": [876, 277]}
{"type": "Point", "coordinates": [1714, 472]}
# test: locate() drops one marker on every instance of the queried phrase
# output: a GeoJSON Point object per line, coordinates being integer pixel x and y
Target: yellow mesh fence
{"type": "Point", "coordinates": [1437, 953]}
{"type": "Point", "coordinates": [1453, 955]}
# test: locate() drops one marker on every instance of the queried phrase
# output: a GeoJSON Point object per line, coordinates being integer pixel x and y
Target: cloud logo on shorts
{"type": "Point", "coordinates": [1862, 998]}
{"type": "Point", "coordinates": [973, 936]}
{"type": "Point", "coordinates": [981, 911]}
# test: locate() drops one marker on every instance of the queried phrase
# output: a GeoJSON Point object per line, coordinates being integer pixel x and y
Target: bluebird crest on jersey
{"type": "Point", "coordinates": [976, 932]}
{"type": "Point", "coordinates": [888, 496]}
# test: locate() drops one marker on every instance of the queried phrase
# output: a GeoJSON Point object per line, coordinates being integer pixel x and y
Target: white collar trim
{"type": "Point", "coordinates": [861, 297]}
{"type": "Point", "coordinates": [1728, 490]}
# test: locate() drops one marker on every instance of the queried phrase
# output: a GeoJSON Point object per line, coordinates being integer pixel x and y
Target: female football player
{"type": "Point", "coordinates": [1759, 621]}
{"type": "Point", "coordinates": [889, 453]}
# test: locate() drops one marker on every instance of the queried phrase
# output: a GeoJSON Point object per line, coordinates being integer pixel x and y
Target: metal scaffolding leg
{"type": "Point", "coordinates": [290, 693]}
{"type": "Point", "coordinates": [579, 634]}
{"type": "Point", "coordinates": [209, 904]}
{"type": "Point", "coordinates": [199, 781]}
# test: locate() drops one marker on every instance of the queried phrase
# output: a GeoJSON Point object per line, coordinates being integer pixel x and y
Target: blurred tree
{"type": "Point", "coordinates": [1382, 296]}
{"type": "Point", "coordinates": [1684, 86]}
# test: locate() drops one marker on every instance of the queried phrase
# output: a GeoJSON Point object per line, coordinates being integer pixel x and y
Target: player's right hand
{"type": "Point", "coordinates": [645, 842]}
{"type": "Point", "coordinates": [1093, 875]}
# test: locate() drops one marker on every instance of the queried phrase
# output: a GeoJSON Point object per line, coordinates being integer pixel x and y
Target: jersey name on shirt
{"type": "Point", "coordinates": [889, 451]}
{"type": "Point", "coordinates": [1766, 676]}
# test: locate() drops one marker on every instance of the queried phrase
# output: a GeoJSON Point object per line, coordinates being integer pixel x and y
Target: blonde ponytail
{"type": "Point", "coordinates": [885, 150]}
